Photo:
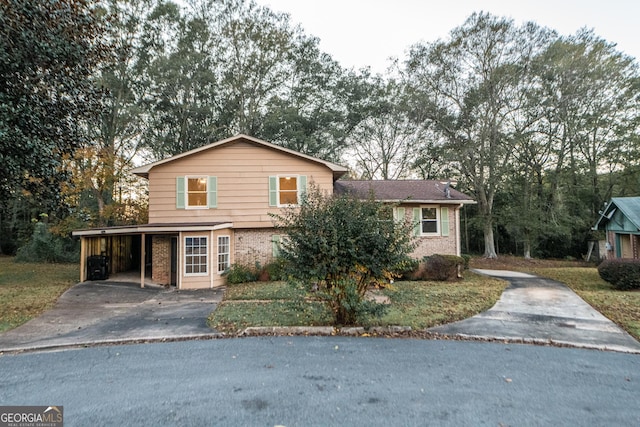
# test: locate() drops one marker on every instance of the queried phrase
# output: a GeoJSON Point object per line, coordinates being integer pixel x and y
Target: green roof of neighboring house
{"type": "Point", "coordinates": [628, 206]}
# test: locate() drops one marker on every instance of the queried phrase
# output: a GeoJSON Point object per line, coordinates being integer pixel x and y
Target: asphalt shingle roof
{"type": "Point", "coordinates": [403, 190]}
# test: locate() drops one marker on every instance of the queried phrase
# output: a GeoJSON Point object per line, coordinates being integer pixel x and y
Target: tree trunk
{"type": "Point", "coordinates": [489, 243]}
{"type": "Point", "coordinates": [527, 249]}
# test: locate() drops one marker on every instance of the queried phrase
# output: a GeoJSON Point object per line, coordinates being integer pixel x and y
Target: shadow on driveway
{"type": "Point", "coordinates": [108, 312]}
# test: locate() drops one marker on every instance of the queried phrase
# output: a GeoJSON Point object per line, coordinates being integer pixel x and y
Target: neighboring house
{"type": "Point", "coordinates": [210, 208]}
{"type": "Point", "coordinates": [620, 219]}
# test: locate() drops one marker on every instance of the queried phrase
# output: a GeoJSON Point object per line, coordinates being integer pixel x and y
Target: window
{"type": "Point", "coordinates": [429, 220]}
{"type": "Point", "coordinates": [196, 192]}
{"type": "Point", "coordinates": [224, 250]}
{"type": "Point", "coordinates": [196, 255]}
{"type": "Point", "coordinates": [399, 214]}
{"type": "Point", "coordinates": [286, 190]}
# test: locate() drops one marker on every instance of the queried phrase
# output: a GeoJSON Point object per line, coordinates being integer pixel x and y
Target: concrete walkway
{"type": "Point", "coordinates": [109, 312]}
{"type": "Point", "coordinates": [536, 310]}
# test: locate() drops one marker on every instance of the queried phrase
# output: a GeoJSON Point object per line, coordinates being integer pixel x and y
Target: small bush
{"type": "Point", "coordinates": [276, 270]}
{"type": "Point", "coordinates": [467, 259]}
{"type": "Point", "coordinates": [439, 267]}
{"type": "Point", "coordinates": [406, 269]}
{"type": "Point", "coordinates": [623, 274]}
{"type": "Point", "coordinates": [239, 273]}
{"type": "Point", "coordinates": [348, 305]}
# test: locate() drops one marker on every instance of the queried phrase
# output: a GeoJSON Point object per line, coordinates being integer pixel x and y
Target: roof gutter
{"type": "Point", "coordinates": [169, 228]}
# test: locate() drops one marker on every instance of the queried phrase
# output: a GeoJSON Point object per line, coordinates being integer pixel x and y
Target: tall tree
{"type": "Point", "coordinates": [49, 52]}
{"type": "Point", "coordinates": [387, 141]}
{"type": "Point", "coordinates": [185, 102]}
{"type": "Point", "coordinates": [100, 167]}
{"type": "Point", "coordinates": [467, 88]}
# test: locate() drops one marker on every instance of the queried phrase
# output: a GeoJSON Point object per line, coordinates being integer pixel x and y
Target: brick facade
{"type": "Point", "coordinates": [161, 259]}
{"type": "Point", "coordinates": [434, 245]}
{"type": "Point", "coordinates": [254, 245]}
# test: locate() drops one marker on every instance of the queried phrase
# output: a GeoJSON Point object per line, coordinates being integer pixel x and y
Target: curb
{"type": "Point", "coordinates": [99, 343]}
{"type": "Point", "coordinates": [323, 330]}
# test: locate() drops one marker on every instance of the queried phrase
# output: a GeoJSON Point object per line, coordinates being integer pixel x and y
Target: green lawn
{"type": "Point", "coordinates": [622, 307]}
{"type": "Point", "coordinates": [27, 290]}
{"type": "Point", "coordinates": [416, 304]}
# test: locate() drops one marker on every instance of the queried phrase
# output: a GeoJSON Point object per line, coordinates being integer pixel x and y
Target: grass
{"type": "Point", "coordinates": [622, 307]}
{"type": "Point", "coordinates": [27, 290]}
{"type": "Point", "coordinates": [416, 304]}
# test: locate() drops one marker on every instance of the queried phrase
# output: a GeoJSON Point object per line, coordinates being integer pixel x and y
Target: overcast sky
{"type": "Point", "coordinates": [359, 33]}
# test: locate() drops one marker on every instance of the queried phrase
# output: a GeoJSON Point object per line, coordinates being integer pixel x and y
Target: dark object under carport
{"type": "Point", "coordinates": [97, 267]}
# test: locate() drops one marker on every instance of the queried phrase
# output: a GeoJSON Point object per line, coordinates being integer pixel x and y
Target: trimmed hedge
{"type": "Point", "coordinates": [440, 267]}
{"type": "Point", "coordinates": [622, 273]}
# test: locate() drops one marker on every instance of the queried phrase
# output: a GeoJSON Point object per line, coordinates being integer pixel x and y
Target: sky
{"type": "Point", "coordinates": [361, 33]}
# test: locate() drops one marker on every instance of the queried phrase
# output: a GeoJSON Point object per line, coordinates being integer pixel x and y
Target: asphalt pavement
{"type": "Point", "coordinates": [328, 381]}
{"type": "Point", "coordinates": [116, 312]}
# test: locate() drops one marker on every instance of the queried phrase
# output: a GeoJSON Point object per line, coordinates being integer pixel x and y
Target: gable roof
{"type": "Point", "coordinates": [416, 191]}
{"type": "Point", "coordinates": [629, 206]}
{"type": "Point", "coordinates": [337, 170]}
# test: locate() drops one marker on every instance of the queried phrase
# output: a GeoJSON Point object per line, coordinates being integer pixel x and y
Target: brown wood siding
{"type": "Point", "coordinates": [243, 171]}
{"type": "Point", "coordinates": [117, 248]}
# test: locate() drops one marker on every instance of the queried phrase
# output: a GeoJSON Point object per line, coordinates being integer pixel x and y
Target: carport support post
{"type": "Point", "coordinates": [83, 258]}
{"type": "Point", "coordinates": [143, 258]}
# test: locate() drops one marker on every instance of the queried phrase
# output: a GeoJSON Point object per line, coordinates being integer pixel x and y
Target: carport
{"type": "Point", "coordinates": [150, 249]}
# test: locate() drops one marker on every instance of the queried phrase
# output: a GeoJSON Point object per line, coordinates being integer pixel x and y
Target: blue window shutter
{"type": "Point", "coordinates": [444, 221]}
{"type": "Point", "coordinates": [180, 192]}
{"type": "Point", "coordinates": [417, 221]}
{"type": "Point", "coordinates": [273, 191]}
{"type": "Point", "coordinates": [302, 187]}
{"type": "Point", "coordinates": [213, 191]}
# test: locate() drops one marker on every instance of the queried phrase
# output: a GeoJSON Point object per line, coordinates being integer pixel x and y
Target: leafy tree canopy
{"type": "Point", "coordinates": [48, 53]}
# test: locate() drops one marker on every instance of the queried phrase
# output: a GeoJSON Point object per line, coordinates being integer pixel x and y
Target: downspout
{"type": "Point", "coordinates": [180, 261]}
{"type": "Point", "coordinates": [458, 243]}
{"type": "Point", "coordinates": [213, 257]}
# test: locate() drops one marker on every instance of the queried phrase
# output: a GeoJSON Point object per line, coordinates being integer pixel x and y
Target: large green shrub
{"type": "Point", "coordinates": [341, 245]}
{"type": "Point", "coordinates": [45, 247]}
{"type": "Point", "coordinates": [623, 274]}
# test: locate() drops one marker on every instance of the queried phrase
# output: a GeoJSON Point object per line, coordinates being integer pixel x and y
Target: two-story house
{"type": "Point", "coordinates": [210, 207]}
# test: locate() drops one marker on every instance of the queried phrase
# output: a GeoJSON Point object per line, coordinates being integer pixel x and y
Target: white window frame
{"type": "Point", "coordinates": [437, 220]}
{"type": "Point", "coordinates": [200, 264]}
{"type": "Point", "coordinates": [226, 256]}
{"type": "Point", "coordinates": [186, 191]}
{"type": "Point", "coordinates": [297, 178]}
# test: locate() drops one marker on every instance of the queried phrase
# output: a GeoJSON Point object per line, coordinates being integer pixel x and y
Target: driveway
{"type": "Point", "coordinates": [530, 310]}
{"type": "Point", "coordinates": [542, 311]}
{"type": "Point", "coordinates": [107, 312]}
